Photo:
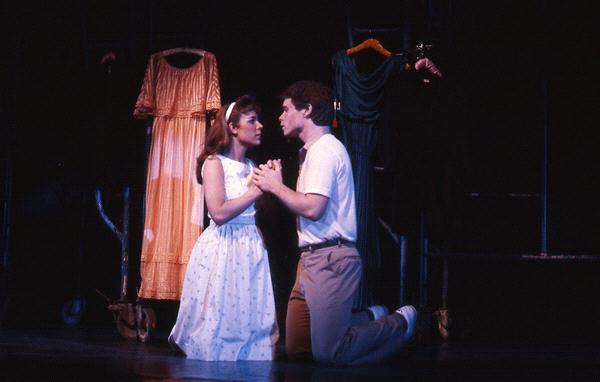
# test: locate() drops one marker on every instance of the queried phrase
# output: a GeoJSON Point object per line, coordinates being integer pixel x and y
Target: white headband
{"type": "Point", "coordinates": [228, 112]}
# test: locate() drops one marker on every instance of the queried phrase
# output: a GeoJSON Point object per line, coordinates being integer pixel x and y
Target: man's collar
{"type": "Point", "coordinates": [309, 143]}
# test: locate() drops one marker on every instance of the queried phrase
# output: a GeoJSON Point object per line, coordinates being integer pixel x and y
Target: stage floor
{"type": "Point", "coordinates": [86, 353]}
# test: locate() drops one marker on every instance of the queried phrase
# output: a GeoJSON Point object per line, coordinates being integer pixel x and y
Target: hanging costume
{"type": "Point", "coordinates": [360, 95]}
{"type": "Point", "coordinates": [177, 99]}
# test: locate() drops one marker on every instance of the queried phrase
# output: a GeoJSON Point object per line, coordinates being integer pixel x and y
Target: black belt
{"type": "Point", "coordinates": [324, 244]}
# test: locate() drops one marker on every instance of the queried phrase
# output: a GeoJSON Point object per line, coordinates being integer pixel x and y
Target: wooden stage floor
{"type": "Point", "coordinates": [98, 353]}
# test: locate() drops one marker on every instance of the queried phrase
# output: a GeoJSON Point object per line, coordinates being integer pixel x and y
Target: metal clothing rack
{"type": "Point", "coordinates": [543, 254]}
{"type": "Point", "coordinates": [353, 31]}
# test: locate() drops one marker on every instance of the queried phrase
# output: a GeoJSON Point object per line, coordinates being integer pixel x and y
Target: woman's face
{"type": "Point", "coordinates": [249, 130]}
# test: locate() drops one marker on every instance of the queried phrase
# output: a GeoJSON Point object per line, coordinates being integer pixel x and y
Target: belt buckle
{"type": "Point", "coordinates": [313, 247]}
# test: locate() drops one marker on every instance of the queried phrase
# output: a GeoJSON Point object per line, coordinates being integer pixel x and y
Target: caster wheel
{"type": "Point", "coordinates": [72, 311]}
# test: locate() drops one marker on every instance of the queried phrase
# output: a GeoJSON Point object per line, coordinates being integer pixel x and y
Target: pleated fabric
{"type": "Point", "coordinates": [177, 99]}
{"type": "Point", "coordinates": [360, 95]}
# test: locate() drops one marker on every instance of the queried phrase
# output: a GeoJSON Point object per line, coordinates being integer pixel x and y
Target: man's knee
{"type": "Point", "coordinates": [323, 358]}
{"type": "Point", "coordinates": [300, 354]}
{"type": "Point", "coordinates": [328, 356]}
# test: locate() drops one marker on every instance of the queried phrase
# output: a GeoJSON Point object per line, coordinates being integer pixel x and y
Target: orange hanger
{"type": "Point", "coordinates": [369, 44]}
{"type": "Point", "coordinates": [196, 51]}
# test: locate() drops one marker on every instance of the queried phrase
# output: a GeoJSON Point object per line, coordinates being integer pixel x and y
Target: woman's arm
{"type": "Point", "coordinates": [221, 211]}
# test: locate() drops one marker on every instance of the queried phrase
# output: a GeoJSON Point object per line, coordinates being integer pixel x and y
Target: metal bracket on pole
{"type": "Point", "coordinates": [401, 242]}
{"type": "Point", "coordinates": [122, 235]}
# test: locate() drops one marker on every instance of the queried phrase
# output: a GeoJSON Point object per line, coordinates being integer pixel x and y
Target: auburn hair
{"type": "Point", "coordinates": [218, 137]}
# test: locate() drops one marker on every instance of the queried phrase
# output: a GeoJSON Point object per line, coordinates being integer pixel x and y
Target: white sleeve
{"type": "Point", "coordinates": [319, 173]}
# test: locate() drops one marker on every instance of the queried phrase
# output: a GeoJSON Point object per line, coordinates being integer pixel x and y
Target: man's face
{"type": "Point", "coordinates": [291, 119]}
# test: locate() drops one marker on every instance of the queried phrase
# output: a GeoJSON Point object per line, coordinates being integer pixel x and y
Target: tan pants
{"type": "Point", "coordinates": [319, 315]}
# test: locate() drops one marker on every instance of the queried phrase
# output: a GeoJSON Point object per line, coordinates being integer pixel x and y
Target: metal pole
{"type": "Point", "coordinates": [8, 144]}
{"type": "Point", "coordinates": [123, 237]}
{"type": "Point", "coordinates": [349, 25]}
{"type": "Point", "coordinates": [425, 279]}
{"type": "Point", "coordinates": [544, 225]}
{"type": "Point", "coordinates": [5, 234]}
{"type": "Point", "coordinates": [125, 246]}
{"type": "Point", "coordinates": [402, 270]}
{"type": "Point", "coordinates": [83, 13]}
{"type": "Point", "coordinates": [423, 250]}
{"type": "Point", "coordinates": [406, 44]}
{"type": "Point", "coordinates": [445, 284]}
{"type": "Point", "coordinates": [430, 15]}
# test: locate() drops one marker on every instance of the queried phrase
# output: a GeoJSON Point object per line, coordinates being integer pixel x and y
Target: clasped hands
{"type": "Point", "coordinates": [266, 177]}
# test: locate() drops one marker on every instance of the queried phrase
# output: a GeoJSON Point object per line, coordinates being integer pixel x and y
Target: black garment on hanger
{"type": "Point", "coordinates": [360, 95]}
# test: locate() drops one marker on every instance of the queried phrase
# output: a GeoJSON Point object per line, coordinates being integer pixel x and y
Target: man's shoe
{"type": "Point", "coordinates": [410, 315]}
{"type": "Point", "coordinates": [378, 311]}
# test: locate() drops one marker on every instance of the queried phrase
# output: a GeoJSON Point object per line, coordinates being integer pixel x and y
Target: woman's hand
{"type": "Point", "coordinates": [268, 176]}
{"type": "Point", "coordinates": [275, 164]}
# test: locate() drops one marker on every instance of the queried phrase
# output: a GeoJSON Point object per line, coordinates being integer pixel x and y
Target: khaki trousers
{"type": "Point", "coordinates": [319, 317]}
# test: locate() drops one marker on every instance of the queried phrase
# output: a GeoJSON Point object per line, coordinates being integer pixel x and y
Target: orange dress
{"type": "Point", "coordinates": [178, 100]}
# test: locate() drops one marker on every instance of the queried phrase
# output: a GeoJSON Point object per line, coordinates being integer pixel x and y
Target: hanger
{"type": "Point", "coordinates": [196, 51]}
{"type": "Point", "coordinates": [370, 43]}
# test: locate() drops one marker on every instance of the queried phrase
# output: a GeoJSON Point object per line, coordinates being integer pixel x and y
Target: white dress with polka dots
{"type": "Point", "coordinates": [227, 310]}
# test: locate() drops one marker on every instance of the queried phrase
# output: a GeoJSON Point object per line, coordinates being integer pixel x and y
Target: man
{"type": "Point", "coordinates": [319, 316]}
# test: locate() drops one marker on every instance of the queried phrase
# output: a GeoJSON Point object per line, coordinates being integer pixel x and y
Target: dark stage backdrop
{"type": "Point", "coordinates": [466, 151]}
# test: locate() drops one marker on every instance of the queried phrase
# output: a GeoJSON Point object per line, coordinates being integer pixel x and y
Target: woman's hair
{"type": "Point", "coordinates": [218, 136]}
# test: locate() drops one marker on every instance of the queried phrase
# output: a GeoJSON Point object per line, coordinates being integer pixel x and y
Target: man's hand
{"type": "Point", "coordinates": [268, 176]}
{"type": "Point", "coordinates": [274, 164]}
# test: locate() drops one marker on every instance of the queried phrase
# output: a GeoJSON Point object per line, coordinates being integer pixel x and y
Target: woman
{"type": "Point", "coordinates": [227, 309]}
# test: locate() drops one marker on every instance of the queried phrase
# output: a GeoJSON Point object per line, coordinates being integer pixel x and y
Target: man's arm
{"type": "Point", "coordinates": [310, 206]}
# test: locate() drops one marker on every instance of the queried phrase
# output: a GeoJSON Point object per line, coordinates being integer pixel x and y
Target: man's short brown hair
{"type": "Point", "coordinates": [317, 94]}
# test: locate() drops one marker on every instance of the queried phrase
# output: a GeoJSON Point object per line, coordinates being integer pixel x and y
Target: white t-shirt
{"type": "Point", "coordinates": [327, 171]}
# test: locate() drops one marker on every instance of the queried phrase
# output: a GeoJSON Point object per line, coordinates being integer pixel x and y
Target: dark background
{"type": "Point", "coordinates": [454, 150]}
